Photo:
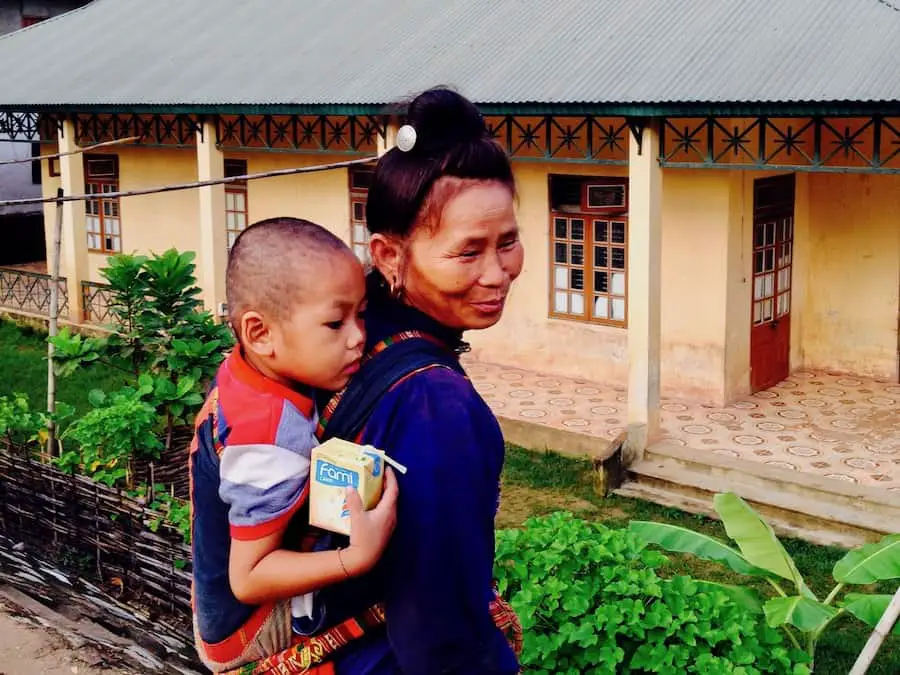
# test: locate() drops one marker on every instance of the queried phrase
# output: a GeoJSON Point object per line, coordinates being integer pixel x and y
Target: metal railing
{"type": "Point", "coordinates": [95, 301]}
{"type": "Point", "coordinates": [30, 292]}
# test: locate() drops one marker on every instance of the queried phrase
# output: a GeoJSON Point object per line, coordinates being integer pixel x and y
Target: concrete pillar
{"type": "Point", "coordinates": [644, 290]}
{"type": "Point", "coordinates": [213, 254]}
{"type": "Point", "coordinates": [389, 140]}
{"type": "Point", "coordinates": [74, 253]}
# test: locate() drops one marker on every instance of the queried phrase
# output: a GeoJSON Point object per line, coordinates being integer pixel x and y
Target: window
{"type": "Point", "coordinates": [360, 180]}
{"type": "Point", "coordinates": [589, 249]}
{"type": "Point", "coordinates": [104, 224]}
{"type": "Point", "coordinates": [235, 200]}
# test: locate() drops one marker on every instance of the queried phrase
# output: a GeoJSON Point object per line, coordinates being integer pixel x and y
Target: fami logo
{"type": "Point", "coordinates": [335, 476]}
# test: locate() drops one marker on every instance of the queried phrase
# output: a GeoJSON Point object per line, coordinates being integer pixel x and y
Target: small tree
{"type": "Point", "coordinates": [168, 345]}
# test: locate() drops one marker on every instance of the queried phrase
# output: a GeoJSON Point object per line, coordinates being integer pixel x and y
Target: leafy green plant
{"type": "Point", "coordinates": [21, 426]}
{"type": "Point", "coordinates": [591, 601]}
{"type": "Point", "coordinates": [759, 553]}
{"type": "Point", "coordinates": [105, 440]}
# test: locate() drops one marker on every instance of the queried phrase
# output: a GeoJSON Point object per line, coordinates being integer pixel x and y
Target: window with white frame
{"type": "Point", "coordinates": [360, 181]}
{"type": "Point", "coordinates": [102, 219]}
{"type": "Point", "coordinates": [236, 209]}
{"type": "Point", "coordinates": [589, 249]}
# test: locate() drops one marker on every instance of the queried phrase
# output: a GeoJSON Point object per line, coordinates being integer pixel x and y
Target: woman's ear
{"type": "Point", "coordinates": [256, 334]}
{"type": "Point", "coordinates": [387, 257]}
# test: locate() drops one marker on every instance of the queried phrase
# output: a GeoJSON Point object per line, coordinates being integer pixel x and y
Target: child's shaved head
{"type": "Point", "coordinates": [271, 264]}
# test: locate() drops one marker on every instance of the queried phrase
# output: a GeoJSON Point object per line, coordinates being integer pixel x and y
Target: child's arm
{"type": "Point", "coordinates": [261, 571]}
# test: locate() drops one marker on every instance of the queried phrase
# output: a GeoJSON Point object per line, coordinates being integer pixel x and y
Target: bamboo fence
{"type": "Point", "coordinates": [69, 515]}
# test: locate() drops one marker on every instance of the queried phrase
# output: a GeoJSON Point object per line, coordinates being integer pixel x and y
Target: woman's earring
{"type": "Point", "coordinates": [395, 289]}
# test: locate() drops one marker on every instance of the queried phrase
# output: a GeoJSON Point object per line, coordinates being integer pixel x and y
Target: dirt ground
{"type": "Point", "coordinates": [27, 649]}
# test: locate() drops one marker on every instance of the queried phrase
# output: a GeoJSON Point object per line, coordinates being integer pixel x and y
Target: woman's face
{"type": "Point", "coordinates": [460, 271]}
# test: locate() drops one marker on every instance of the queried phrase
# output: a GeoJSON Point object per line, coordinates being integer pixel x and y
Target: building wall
{"type": "Point", "coordinates": [853, 280]}
{"type": "Point", "coordinates": [694, 259]}
{"type": "Point", "coordinates": [166, 220]}
{"type": "Point", "coordinates": [846, 266]}
{"type": "Point", "coordinates": [321, 197]}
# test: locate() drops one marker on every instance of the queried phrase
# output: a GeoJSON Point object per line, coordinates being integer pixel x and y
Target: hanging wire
{"type": "Point", "coordinates": [189, 186]}
{"type": "Point", "coordinates": [79, 151]}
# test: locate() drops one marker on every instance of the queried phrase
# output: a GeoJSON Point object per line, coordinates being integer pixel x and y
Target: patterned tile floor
{"type": "Point", "coordinates": [838, 426]}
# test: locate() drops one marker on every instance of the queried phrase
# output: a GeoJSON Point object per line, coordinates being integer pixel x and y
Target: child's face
{"type": "Point", "coordinates": [321, 342]}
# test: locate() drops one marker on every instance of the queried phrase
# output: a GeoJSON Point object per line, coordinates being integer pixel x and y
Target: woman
{"type": "Point", "coordinates": [445, 249]}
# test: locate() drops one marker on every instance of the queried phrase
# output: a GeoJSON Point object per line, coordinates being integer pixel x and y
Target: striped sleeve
{"type": "Point", "coordinates": [265, 483]}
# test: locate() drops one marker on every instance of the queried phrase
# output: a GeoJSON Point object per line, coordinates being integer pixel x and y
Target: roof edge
{"type": "Point", "coordinates": [674, 109]}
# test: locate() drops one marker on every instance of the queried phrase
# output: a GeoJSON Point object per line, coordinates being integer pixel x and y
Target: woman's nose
{"type": "Point", "coordinates": [494, 272]}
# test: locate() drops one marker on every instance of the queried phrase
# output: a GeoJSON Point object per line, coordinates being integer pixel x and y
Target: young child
{"type": "Point", "coordinates": [295, 297]}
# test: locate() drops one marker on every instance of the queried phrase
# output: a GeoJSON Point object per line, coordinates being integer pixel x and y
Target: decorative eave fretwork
{"type": "Point", "coordinates": [90, 128]}
{"type": "Point", "coordinates": [19, 126]}
{"type": "Point", "coordinates": [597, 140]}
{"type": "Point", "coordinates": [357, 135]}
{"type": "Point", "coordinates": [153, 130]}
{"type": "Point", "coordinates": [844, 144]}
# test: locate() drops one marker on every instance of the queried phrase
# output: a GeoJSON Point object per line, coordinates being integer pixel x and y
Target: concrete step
{"type": "Point", "coordinates": [821, 510]}
{"type": "Point", "coordinates": [784, 526]}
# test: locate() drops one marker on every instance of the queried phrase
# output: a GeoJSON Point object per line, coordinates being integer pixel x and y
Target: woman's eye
{"type": "Point", "coordinates": [469, 254]}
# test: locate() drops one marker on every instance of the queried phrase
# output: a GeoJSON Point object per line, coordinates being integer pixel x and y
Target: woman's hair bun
{"type": "Point", "coordinates": [442, 134]}
{"type": "Point", "coordinates": [442, 118]}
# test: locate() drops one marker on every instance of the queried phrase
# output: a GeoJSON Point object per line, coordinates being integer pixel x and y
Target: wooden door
{"type": "Point", "coordinates": [773, 253]}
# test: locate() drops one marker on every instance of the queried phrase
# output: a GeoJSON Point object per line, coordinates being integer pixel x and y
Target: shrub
{"type": "Point", "coordinates": [591, 601]}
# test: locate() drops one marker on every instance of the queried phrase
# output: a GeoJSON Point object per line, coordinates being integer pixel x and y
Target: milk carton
{"type": "Point", "coordinates": [335, 465]}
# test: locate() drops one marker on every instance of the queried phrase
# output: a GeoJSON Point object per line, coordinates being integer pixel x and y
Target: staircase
{"type": "Point", "coordinates": [816, 509]}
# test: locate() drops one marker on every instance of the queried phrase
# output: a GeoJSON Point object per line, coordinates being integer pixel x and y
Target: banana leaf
{"type": "Point", "coordinates": [756, 539]}
{"type": "Point", "coordinates": [682, 540]}
{"type": "Point", "coordinates": [806, 614]}
{"type": "Point", "coordinates": [870, 563]}
{"type": "Point", "coordinates": [869, 608]}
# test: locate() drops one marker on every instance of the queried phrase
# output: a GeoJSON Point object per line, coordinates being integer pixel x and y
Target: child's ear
{"type": "Point", "coordinates": [256, 334]}
{"type": "Point", "coordinates": [387, 257]}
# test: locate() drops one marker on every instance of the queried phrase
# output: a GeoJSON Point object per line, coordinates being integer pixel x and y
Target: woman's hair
{"type": "Point", "coordinates": [452, 140]}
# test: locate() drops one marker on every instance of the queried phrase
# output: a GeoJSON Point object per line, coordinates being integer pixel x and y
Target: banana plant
{"type": "Point", "coordinates": [792, 606]}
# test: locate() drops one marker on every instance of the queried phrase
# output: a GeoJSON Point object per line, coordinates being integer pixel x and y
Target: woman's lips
{"type": "Point", "coordinates": [490, 306]}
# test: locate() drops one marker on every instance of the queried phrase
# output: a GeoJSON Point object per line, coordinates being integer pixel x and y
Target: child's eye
{"type": "Point", "coordinates": [335, 325]}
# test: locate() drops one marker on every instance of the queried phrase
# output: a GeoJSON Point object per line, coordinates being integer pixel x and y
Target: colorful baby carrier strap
{"type": "Point", "coordinates": [310, 652]}
{"type": "Point", "coordinates": [388, 362]}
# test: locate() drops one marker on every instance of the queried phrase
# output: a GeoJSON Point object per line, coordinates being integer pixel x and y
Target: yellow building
{"type": "Point", "coordinates": [703, 211]}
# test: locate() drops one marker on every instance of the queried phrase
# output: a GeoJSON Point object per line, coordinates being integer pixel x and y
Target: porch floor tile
{"type": "Point", "coordinates": [838, 426]}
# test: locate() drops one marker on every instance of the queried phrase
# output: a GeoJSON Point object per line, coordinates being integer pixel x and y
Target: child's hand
{"type": "Point", "coordinates": [370, 531]}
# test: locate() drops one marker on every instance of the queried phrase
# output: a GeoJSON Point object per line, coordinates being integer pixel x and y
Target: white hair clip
{"type": "Point", "coordinates": [406, 138]}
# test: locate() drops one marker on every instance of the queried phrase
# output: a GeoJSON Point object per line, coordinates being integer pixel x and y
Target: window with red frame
{"type": "Point", "coordinates": [102, 218]}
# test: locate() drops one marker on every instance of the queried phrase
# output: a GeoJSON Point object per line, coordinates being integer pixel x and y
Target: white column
{"type": "Point", "coordinates": [74, 262]}
{"type": "Point", "coordinates": [213, 254]}
{"type": "Point", "coordinates": [644, 289]}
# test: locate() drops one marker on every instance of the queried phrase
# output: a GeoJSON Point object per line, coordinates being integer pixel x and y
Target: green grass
{"type": "Point", "coordinates": [23, 369]}
{"type": "Point", "coordinates": [537, 483]}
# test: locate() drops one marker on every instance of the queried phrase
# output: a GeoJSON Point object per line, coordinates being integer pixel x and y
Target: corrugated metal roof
{"type": "Point", "coordinates": [350, 52]}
